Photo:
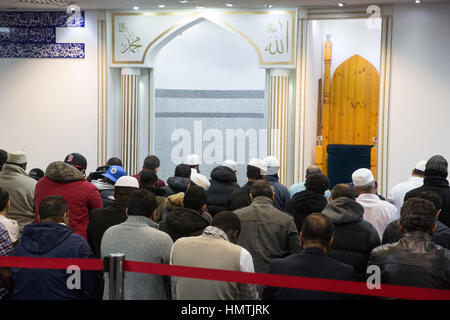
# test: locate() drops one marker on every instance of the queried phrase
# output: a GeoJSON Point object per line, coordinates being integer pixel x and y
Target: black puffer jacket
{"type": "Point", "coordinates": [441, 186]}
{"type": "Point", "coordinates": [354, 238]}
{"type": "Point", "coordinates": [303, 204]}
{"type": "Point", "coordinates": [223, 183]}
{"type": "Point", "coordinates": [183, 222]}
{"type": "Point", "coordinates": [413, 261]}
{"type": "Point", "coordinates": [176, 185]}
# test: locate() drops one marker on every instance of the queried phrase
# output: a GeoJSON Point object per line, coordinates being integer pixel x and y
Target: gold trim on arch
{"type": "Point", "coordinates": [199, 15]}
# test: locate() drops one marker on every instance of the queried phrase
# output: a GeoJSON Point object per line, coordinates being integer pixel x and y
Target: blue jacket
{"type": "Point", "coordinates": [282, 195]}
{"type": "Point", "coordinates": [51, 240]}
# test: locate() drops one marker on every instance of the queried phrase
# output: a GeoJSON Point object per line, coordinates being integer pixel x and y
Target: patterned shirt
{"type": "Point", "coordinates": [6, 249]}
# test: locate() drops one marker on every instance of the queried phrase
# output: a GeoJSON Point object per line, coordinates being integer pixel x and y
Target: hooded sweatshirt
{"type": "Point", "coordinates": [354, 238]}
{"type": "Point", "coordinates": [223, 183]}
{"type": "Point", "coordinates": [51, 240]}
{"type": "Point", "coordinates": [183, 222]}
{"type": "Point", "coordinates": [303, 204]}
{"type": "Point", "coordinates": [81, 196]}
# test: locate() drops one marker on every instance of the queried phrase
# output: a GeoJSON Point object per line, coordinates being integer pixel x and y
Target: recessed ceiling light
{"type": "Point", "coordinates": [268, 6]}
{"type": "Point", "coordinates": [229, 4]}
{"type": "Point", "coordinates": [161, 6]}
{"type": "Point", "coordinates": [200, 7]}
{"type": "Point", "coordinates": [340, 4]}
{"type": "Point", "coordinates": [183, 1]}
{"type": "Point", "coordinates": [135, 8]}
{"type": "Point", "coordinates": [418, 1]}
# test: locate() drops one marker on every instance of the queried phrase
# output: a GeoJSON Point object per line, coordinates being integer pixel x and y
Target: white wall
{"type": "Point", "coordinates": [420, 87]}
{"type": "Point", "coordinates": [48, 107]}
{"type": "Point", "coordinates": [232, 62]}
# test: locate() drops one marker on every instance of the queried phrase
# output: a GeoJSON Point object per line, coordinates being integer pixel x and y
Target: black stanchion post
{"type": "Point", "coordinates": [113, 264]}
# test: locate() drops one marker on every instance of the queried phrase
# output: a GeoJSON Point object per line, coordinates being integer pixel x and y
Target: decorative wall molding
{"type": "Point", "coordinates": [138, 36]}
{"type": "Point", "coordinates": [28, 34]}
{"type": "Point", "coordinates": [102, 92]}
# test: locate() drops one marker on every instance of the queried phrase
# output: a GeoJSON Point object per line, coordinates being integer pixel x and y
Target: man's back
{"type": "Point", "coordinates": [282, 194]}
{"type": "Point", "coordinates": [413, 261]}
{"type": "Point", "coordinates": [209, 251]}
{"type": "Point", "coordinates": [398, 192]}
{"type": "Point", "coordinates": [101, 219]}
{"type": "Point", "coordinates": [140, 240]}
{"type": "Point", "coordinates": [439, 185]}
{"type": "Point", "coordinates": [267, 233]}
{"type": "Point", "coordinates": [82, 197]}
{"type": "Point", "coordinates": [21, 193]}
{"type": "Point", "coordinates": [51, 240]}
{"type": "Point", "coordinates": [378, 212]}
{"type": "Point", "coordinates": [311, 262]}
{"type": "Point", "coordinates": [240, 198]}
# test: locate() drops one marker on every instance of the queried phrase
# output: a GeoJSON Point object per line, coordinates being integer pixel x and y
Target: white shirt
{"type": "Point", "coordinates": [398, 192]}
{"type": "Point", "coordinates": [12, 227]}
{"type": "Point", "coordinates": [378, 212]}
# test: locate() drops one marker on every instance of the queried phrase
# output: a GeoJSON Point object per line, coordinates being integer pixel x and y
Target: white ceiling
{"type": "Point", "coordinates": [175, 4]}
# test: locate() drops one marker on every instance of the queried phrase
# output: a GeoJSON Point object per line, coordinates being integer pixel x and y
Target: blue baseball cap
{"type": "Point", "coordinates": [114, 173]}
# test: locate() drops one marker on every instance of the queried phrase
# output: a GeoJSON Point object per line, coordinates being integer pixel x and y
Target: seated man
{"type": "Point", "coordinates": [140, 240]}
{"type": "Point", "coordinates": [414, 260]}
{"type": "Point", "coordinates": [441, 236]}
{"type": "Point", "coordinates": [52, 238]}
{"type": "Point", "coordinates": [316, 238]}
{"type": "Point", "coordinates": [354, 238]}
{"type": "Point", "coordinates": [215, 249]}
{"type": "Point", "coordinates": [189, 220]}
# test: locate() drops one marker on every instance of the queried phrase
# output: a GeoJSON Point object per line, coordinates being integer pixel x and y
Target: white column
{"type": "Point", "coordinates": [279, 108]}
{"type": "Point", "coordinates": [129, 116]}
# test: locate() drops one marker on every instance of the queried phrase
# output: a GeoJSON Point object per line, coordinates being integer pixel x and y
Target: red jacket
{"type": "Point", "coordinates": [159, 183]}
{"type": "Point", "coordinates": [81, 196]}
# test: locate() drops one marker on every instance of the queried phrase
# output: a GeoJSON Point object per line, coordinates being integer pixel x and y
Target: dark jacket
{"type": "Point", "coordinates": [311, 262]}
{"type": "Point", "coordinates": [81, 196]}
{"type": "Point", "coordinates": [354, 238]}
{"type": "Point", "coordinates": [413, 261]}
{"type": "Point", "coordinates": [51, 240]}
{"type": "Point", "coordinates": [240, 198]}
{"type": "Point", "coordinates": [183, 222]}
{"type": "Point", "coordinates": [441, 237]}
{"type": "Point", "coordinates": [441, 187]}
{"type": "Point", "coordinates": [176, 185]}
{"type": "Point", "coordinates": [304, 203]}
{"type": "Point", "coordinates": [223, 184]}
{"type": "Point", "coordinates": [102, 219]}
{"type": "Point", "coordinates": [159, 183]}
{"type": "Point", "coordinates": [106, 191]}
{"type": "Point", "coordinates": [267, 233]}
{"type": "Point", "coordinates": [282, 195]}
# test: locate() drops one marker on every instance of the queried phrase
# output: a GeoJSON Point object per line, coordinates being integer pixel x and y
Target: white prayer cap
{"type": "Point", "coordinates": [17, 157]}
{"type": "Point", "coordinates": [273, 165]}
{"type": "Point", "coordinates": [420, 165]}
{"type": "Point", "coordinates": [362, 177]}
{"type": "Point", "coordinates": [127, 181]}
{"type": "Point", "coordinates": [192, 159]}
{"type": "Point", "coordinates": [230, 164]}
{"type": "Point", "coordinates": [258, 163]}
{"type": "Point", "coordinates": [200, 180]}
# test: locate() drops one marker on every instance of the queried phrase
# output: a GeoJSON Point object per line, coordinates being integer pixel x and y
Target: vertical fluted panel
{"type": "Point", "coordinates": [278, 121]}
{"type": "Point", "coordinates": [129, 116]}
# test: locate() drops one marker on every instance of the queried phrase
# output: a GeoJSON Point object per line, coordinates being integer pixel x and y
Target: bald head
{"type": "Point", "coordinates": [313, 170]}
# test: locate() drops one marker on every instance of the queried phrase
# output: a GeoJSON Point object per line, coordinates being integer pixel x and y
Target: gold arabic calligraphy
{"type": "Point", "coordinates": [276, 43]}
{"type": "Point", "coordinates": [132, 44]}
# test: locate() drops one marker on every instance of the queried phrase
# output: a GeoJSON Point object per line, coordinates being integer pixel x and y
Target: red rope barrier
{"type": "Point", "coordinates": [349, 287]}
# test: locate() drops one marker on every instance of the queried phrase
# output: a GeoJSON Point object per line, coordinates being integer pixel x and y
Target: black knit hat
{"type": "Point", "coordinates": [436, 165]}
